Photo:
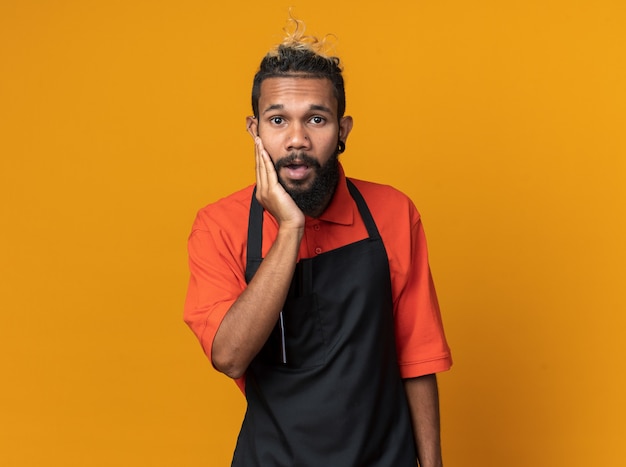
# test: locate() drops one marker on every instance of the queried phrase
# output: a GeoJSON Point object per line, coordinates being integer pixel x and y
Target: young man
{"type": "Point", "coordinates": [313, 290]}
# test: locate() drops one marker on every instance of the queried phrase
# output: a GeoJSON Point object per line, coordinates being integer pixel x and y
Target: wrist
{"type": "Point", "coordinates": [290, 230]}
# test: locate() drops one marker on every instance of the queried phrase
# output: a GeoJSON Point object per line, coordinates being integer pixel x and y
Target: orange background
{"type": "Point", "coordinates": [504, 121]}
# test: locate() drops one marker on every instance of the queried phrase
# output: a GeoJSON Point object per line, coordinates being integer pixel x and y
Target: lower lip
{"type": "Point", "coordinates": [297, 173]}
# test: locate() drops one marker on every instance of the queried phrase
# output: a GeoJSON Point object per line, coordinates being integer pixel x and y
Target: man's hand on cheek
{"type": "Point", "coordinates": [271, 194]}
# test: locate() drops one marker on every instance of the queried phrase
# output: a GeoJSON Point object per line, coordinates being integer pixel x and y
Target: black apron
{"type": "Point", "coordinates": [338, 400]}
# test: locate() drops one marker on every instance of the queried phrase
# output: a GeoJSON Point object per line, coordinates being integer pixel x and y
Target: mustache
{"type": "Point", "coordinates": [300, 157]}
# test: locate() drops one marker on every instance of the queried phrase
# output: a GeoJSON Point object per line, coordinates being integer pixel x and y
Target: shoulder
{"type": "Point", "coordinates": [387, 202]}
{"type": "Point", "coordinates": [230, 211]}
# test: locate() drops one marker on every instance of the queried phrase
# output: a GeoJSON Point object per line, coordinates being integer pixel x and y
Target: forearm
{"type": "Point", "coordinates": [250, 320]}
{"type": "Point", "coordinates": [423, 397]}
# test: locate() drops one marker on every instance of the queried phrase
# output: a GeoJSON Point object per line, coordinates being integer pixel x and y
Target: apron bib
{"type": "Point", "coordinates": [325, 390]}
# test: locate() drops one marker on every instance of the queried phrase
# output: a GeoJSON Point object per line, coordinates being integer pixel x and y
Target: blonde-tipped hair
{"type": "Point", "coordinates": [295, 38]}
{"type": "Point", "coordinates": [303, 56]}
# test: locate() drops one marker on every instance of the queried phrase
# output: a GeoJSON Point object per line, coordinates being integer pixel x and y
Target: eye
{"type": "Point", "coordinates": [276, 120]}
{"type": "Point", "coordinates": [317, 120]}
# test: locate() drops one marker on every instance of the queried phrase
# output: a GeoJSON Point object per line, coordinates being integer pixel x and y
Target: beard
{"type": "Point", "coordinates": [312, 200]}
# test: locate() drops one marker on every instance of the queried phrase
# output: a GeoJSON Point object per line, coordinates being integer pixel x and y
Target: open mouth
{"type": "Point", "coordinates": [297, 165]}
{"type": "Point", "coordinates": [297, 171]}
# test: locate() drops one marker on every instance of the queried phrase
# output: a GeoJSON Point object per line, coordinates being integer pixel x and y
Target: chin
{"type": "Point", "coordinates": [297, 186]}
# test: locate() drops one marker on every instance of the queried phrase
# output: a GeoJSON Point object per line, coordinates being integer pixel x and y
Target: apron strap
{"type": "Point", "coordinates": [366, 215]}
{"type": "Point", "coordinates": [255, 237]}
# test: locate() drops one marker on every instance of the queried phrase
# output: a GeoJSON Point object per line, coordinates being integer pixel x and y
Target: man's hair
{"type": "Point", "coordinates": [303, 57]}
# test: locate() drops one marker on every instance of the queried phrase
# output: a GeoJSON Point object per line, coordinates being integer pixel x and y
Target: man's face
{"type": "Point", "coordinates": [300, 130]}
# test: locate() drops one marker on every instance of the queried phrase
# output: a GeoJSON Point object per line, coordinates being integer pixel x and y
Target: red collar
{"type": "Point", "coordinates": [341, 207]}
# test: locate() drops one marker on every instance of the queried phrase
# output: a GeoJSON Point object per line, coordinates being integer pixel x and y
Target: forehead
{"type": "Point", "coordinates": [294, 92]}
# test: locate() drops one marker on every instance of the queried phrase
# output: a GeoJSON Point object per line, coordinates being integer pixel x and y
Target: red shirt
{"type": "Point", "coordinates": [217, 261]}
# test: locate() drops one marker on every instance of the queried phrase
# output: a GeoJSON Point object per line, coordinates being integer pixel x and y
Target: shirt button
{"type": "Point", "coordinates": [316, 227]}
{"type": "Point", "coordinates": [318, 250]}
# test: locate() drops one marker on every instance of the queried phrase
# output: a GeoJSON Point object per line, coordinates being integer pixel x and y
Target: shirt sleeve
{"type": "Point", "coordinates": [216, 279]}
{"type": "Point", "coordinates": [420, 338]}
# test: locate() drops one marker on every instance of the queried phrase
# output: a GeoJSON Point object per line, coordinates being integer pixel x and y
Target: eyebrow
{"type": "Point", "coordinates": [320, 108]}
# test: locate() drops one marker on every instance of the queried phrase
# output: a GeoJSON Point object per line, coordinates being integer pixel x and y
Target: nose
{"type": "Point", "coordinates": [298, 137]}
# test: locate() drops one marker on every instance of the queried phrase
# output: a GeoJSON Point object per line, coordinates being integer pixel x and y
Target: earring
{"type": "Point", "coordinates": [341, 147]}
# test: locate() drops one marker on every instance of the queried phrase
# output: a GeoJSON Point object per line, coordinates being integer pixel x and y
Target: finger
{"type": "Point", "coordinates": [257, 162]}
{"type": "Point", "coordinates": [262, 180]}
{"type": "Point", "coordinates": [270, 170]}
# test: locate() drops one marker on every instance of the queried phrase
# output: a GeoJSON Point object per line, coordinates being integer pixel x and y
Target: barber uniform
{"type": "Point", "coordinates": [325, 390]}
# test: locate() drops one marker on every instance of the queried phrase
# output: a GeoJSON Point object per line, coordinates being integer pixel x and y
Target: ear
{"type": "Point", "coordinates": [252, 125]}
{"type": "Point", "coordinates": [345, 126]}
